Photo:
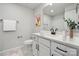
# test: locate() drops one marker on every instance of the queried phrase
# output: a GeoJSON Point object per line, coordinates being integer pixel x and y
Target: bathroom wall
{"type": "Point", "coordinates": [39, 11]}
{"type": "Point", "coordinates": [58, 22]}
{"type": "Point", "coordinates": [25, 26]}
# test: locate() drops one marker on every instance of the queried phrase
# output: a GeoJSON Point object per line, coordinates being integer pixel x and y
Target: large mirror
{"type": "Point", "coordinates": [54, 15]}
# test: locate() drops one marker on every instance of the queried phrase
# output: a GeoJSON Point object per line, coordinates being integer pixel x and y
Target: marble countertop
{"type": "Point", "coordinates": [61, 39]}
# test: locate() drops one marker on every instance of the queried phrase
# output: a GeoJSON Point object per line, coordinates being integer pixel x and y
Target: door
{"type": "Point", "coordinates": [43, 50]}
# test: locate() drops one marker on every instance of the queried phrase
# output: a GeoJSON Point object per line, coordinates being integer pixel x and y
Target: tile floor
{"type": "Point", "coordinates": [21, 51]}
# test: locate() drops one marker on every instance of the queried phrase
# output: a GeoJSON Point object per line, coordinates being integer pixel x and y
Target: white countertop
{"type": "Point", "coordinates": [61, 39]}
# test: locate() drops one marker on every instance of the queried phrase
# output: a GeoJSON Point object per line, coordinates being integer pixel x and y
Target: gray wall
{"type": "Point", "coordinates": [25, 27]}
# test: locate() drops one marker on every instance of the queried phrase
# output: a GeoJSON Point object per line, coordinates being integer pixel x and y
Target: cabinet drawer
{"type": "Point", "coordinates": [71, 51]}
{"type": "Point", "coordinates": [54, 45]}
{"type": "Point", "coordinates": [44, 41]}
{"type": "Point", "coordinates": [56, 54]}
{"type": "Point", "coordinates": [63, 50]}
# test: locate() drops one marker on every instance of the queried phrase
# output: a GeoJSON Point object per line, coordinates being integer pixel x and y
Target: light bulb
{"type": "Point", "coordinates": [51, 10]}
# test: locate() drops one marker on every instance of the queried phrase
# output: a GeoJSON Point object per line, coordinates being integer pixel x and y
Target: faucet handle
{"type": "Point", "coordinates": [56, 29]}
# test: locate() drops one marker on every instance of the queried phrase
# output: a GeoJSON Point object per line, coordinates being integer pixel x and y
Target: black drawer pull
{"type": "Point", "coordinates": [52, 54]}
{"type": "Point", "coordinates": [61, 49]}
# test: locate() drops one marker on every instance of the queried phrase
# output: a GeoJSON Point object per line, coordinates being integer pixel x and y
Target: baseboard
{"type": "Point", "coordinates": [10, 49]}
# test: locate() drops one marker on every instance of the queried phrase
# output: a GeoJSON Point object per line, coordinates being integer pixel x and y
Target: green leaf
{"type": "Point", "coordinates": [71, 23]}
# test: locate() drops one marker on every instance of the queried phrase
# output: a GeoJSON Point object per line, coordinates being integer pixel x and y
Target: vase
{"type": "Point", "coordinates": [71, 33]}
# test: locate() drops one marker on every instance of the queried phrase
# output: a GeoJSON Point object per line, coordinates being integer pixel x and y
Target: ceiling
{"type": "Point", "coordinates": [31, 5]}
{"type": "Point", "coordinates": [56, 7]}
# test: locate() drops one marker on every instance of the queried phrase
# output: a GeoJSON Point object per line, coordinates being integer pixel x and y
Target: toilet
{"type": "Point", "coordinates": [28, 46]}
{"type": "Point", "coordinates": [28, 42]}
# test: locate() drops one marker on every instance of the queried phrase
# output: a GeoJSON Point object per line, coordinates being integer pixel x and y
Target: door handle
{"type": "Point", "coordinates": [61, 49]}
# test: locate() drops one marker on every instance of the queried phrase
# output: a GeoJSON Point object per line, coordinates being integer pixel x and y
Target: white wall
{"type": "Point", "coordinates": [58, 22]}
{"type": "Point", "coordinates": [25, 27]}
{"type": "Point", "coordinates": [39, 11]}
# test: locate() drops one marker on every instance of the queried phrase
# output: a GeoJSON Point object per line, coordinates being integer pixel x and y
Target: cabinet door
{"type": "Point", "coordinates": [44, 41]}
{"type": "Point", "coordinates": [43, 50]}
{"type": "Point", "coordinates": [59, 50]}
{"type": "Point", "coordinates": [34, 46]}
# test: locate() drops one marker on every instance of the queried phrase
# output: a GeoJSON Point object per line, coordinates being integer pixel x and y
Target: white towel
{"type": "Point", "coordinates": [9, 25]}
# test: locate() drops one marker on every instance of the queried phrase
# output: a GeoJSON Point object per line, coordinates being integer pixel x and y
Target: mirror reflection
{"type": "Point", "coordinates": [55, 14]}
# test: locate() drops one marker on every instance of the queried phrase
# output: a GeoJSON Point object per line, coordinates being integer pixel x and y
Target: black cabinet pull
{"type": "Point", "coordinates": [52, 54]}
{"type": "Point", "coordinates": [61, 49]}
{"type": "Point", "coordinates": [36, 46]}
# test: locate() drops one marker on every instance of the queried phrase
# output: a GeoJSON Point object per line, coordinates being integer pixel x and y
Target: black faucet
{"type": "Point", "coordinates": [53, 31]}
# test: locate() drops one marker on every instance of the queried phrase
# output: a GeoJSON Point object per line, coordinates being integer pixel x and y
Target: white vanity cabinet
{"type": "Point", "coordinates": [44, 47]}
{"type": "Point", "coordinates": [48, 47]}
{"type": "Point", "coordinates": [41, 47]}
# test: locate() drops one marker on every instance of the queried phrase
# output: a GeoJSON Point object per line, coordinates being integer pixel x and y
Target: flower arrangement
{"type": "Point", "coordinates": [72, 25]}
